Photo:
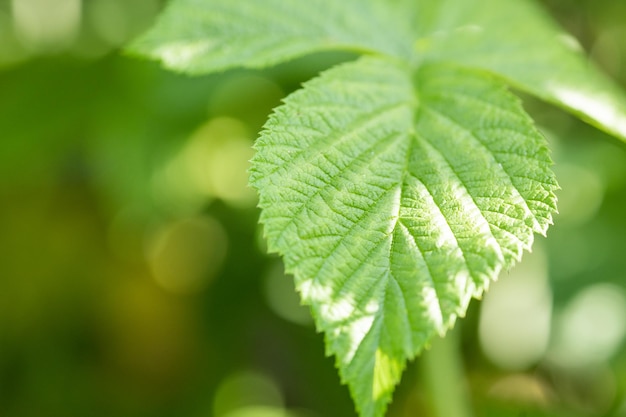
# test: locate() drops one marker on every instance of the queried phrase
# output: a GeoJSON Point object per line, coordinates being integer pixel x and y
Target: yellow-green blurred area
{"type": "Point", "coordinates": [133, 275]}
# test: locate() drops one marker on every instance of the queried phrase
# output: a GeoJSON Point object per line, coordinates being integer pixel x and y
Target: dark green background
{"type": "Point", "coordinates": [133, 282]}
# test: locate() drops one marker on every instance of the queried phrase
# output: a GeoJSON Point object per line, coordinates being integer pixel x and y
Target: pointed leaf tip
{"type": "Point", "coordinates": [395, 202]}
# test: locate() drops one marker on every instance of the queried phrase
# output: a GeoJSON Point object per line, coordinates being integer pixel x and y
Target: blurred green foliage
{"type": "Point", "coordinates": [133, 280]}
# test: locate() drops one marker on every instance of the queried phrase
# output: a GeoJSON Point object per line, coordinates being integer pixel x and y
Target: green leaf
{"type": "Point", "coordinates": [514, 39]}
{"type": "Point", "coordinates": [200, 36]}
{"type": "Point", "coordinates": [395, 195]}
{"type": "Point", "coordinates": [518, 41]}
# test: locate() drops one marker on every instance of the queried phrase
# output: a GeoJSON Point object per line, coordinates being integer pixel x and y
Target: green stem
{"type": "Point", "coordinates": [444, 377]}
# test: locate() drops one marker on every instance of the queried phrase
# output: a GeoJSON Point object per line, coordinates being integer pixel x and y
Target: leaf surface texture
{"type": "Point", "coordinates": [395, 196]}
{"type": "Point", "coordinates": [202, 36]}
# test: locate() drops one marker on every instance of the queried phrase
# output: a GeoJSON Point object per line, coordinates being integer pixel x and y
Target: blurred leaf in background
{"type": "Point", "coordinates": [133, 280]}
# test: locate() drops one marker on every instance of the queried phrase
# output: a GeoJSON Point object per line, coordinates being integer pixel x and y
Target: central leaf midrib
{"type": "Point", "coordinates": [430, 276]}
{"type": "Point", "coordinates": [405, 168]}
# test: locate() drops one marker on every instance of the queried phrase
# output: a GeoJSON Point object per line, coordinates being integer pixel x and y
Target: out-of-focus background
{"type": "Point", "coordinates": [133, 275]}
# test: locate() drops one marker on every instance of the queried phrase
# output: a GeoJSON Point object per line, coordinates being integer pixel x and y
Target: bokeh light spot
{"type": "Point", "coordinates": [282, 298]}
{"type": "Point", "coordinates": [46, 24]}
{"type": "Point", "coordinates": [213, 163]}
{"type": "Point", "coordinates": [581, 193]}
{"type": "Point", "coordinates": [264, 411]}
{"type": "Point", "coordinates": [591, 327]}
{"type": "Point", "coordinates": [184, 256]}
{"type": "Point", "coordinates": [522, 389]}
{"type": "Point", "coordinates": [514, 326]}
{"type": "Point", "coordinates": [247, 389]}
